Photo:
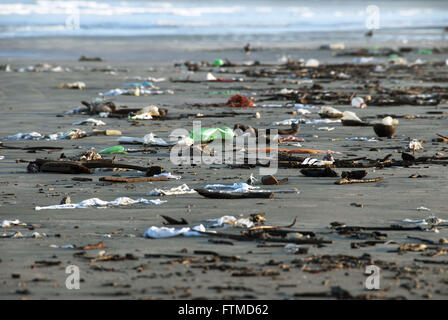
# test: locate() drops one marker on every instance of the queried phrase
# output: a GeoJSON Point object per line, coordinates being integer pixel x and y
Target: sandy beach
{"type": "Point", "coordinates": [195, 267]}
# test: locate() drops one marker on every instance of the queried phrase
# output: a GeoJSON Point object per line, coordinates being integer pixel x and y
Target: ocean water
{"type": "Point", "coordinates": [230, 20]}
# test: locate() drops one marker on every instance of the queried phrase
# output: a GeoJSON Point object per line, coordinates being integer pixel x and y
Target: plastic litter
{"type": "Point", "coordinates": [165, 232]}
{"type": "Point", "coordinates": [25, 136]}
{"type": "Point", "coordinates": [358, 102]}
{"type": "Point", "coordinates": [72, 134]}
{"type": "Point", "coordinates": [430, 221]}
{"type": "Point", "coordinates": [231, 221]}
{"type": "Point", "coordinates": [236, 187]}
{"type": "Point", "coordinates": [10, 223]}
{"type": "Point", "coordinates": [148, 139]}
{"type": "Point", "coordinates": [73, 85]}
{"type": "Point", "coordinates": [348, 115]}
{"type": "Point", "coordinates": [312, 63]}
{"type": "Point", "coordinates": [182, 189]}
{"type": "Point", "coordinates": [167, 175]}
{"type": "Point", "coordinates": [218, 62]}
{"type": "Point", "coordinates": [114, 150]}
{"type": "Point", "coordinates": [211, 134]}
{"type": "Point", "coordinates": [330, 112]}
{"type": "Point", "coordinates": [90, 121]}
{"type": "Point", "coordinates": [98, 203]}
{"type": "Point", "coordinates": [364, 139]}
{"type": "Point", "coordinates": [414, 145]}
{"type": "Point", "coordinates": [288, 122]}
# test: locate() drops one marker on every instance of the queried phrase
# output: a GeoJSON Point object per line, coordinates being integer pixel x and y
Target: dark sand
{"type": "Point", "coordinates": [31, 101]}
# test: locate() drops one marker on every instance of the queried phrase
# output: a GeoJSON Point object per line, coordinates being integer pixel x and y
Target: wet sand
{"type": "Point", "coordinates": [31, 102]}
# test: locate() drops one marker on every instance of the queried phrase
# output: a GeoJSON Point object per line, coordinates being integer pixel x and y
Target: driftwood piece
{"type": "Point", "coordinates": [63, 166]}
{"type": "Point", "coordinates": [350, 181]}
{"type": "Point", "coordinates": [248, 237]}
{"type": "Point", "coordinates": [233, 195]}
{"type": "Point", "coordinates": [132, 180]}
{"type": "Point", "coordinates": [357, 174]}
{"type": "Point", "coordinates": [319, 172]}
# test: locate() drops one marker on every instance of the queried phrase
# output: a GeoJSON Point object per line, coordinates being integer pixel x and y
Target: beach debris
{"type": "Point", "coordinates": [66, 200]}
{"type": "Point", "coordinates": [72, 134]}
{"type": "Point", "coordinates": [351, 119]}
{"type": "Point", "coordinates": [43, 67]}
{"type": "Point", "coordinates": [96, 246]}
{"type": "Point", "coordinates": [325, 128]}
{"type": "Point", "coordinates": [356, 174]}
{"type": "Point", "coordinates": [358, 102]}
{"type": "Point", "coordinates": [90, 121]}
{"type": "Point", "coordinates": [182, 189]}
{"type": "Point", "coordinates": [218, 62]}
{"type": "Point", "coordinates": [271, 180]}
{"type": "Point", "coordinates": [5, 68]}
{"type": "Point", "coordinates": [414, 145]}
{"type": "Point", "coordinates": [316, 162]}
{"type": "Point", "coordinates": [300, 111]}
{"type": "Point", "coordinates": [430, 221]}
{"type": "Point", "coordinates": [412, 247]}
{"type": "Point", "coordinates": [225, 221]}
{"type": "Point", "coordinates": [234, 194]}
{"type": "Point", "coordinates": [257, 115]}
{"type": "Point", "coordinates": [294, 130]}
{"type": "Point", "coordinates": [291, 139]}
{"type": "Point", "coordinates": [363, 139]}
{"type": "Point", "coordinates": [236, 187]}
{"type": "Point", "coordinates": [146, 113]}
{"type": "Point", "coordinates": [386, 128]}
{"type": "Point", "coordinates": [211, 134]}
{"type": "Point", "coordinates": [90, 59]}
{"type": "Point", "coordinates": [423, 209]}
{"type": "Point", "coordinates": [165, 232]}
{"type": "Point", "coordinates": [133, 180]}
{"type": "Point", "coordinates": [238, 101]}
{"type": "Point", "coordinates": [11, 223]}
{"type": "Point", "coordinates": [73, 85]}
{"type": "Point", "coordinates": [167, 175]}
{"type": "Point", "coordinates": [288, 122]}
{"type": "Point", "coordinates": [96, 106]}
{"type": "Point", "coordinates": [148, 139]}
{"type": "Point", "coordinates": [108, 132]}
{"type": "Point", "coordinates": [318, 172]}
{"type": "Point", "coordinates": [89, 156]}
{"type": "Point", "coordinates": [68, 166]}
{"type": "Point", "coordinates": [350, 181]}
{"type": "Point", "coordinates": [113, 150]}
{"type": "Point", "coordinates": [98, 203]}
{"type": "Point", "coordinates": [252, 180]}
{"type": "Point", "coordinates": [312, 63]}
{"type": "Point", "coordinates": [25, 136]}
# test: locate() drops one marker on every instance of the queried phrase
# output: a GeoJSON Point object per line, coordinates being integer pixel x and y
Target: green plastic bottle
{"type": "Point", "coordinates": [114, 150]}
